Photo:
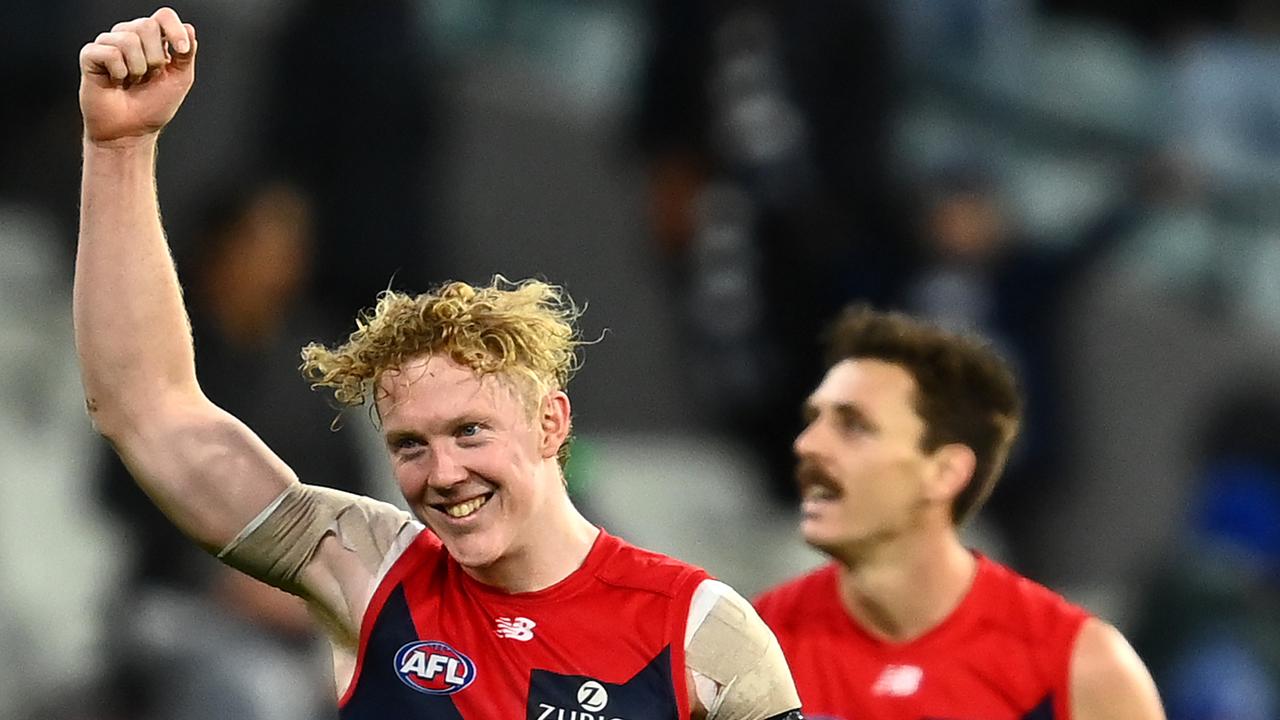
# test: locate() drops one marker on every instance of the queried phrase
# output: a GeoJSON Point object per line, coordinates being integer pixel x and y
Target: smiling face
{"type": "Point", "coordinates": [864, 477]}
{"type": "Point", "coordinates": [473, 461]}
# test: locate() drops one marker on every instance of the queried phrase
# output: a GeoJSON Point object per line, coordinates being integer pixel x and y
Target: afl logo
{"type": "Point", "coordinates": [434, 668]}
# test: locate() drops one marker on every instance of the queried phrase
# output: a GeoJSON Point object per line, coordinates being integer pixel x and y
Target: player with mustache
{"type": "Point", "coordinates": [906, 436]}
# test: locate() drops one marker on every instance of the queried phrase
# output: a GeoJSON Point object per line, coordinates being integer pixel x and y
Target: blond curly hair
{"type": "Point", "coordinates": [526, 331]}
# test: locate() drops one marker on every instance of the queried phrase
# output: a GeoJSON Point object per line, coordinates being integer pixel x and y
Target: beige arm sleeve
{"type": "Point", "coordinates": [279, 543]}
{"type": "Point", "coordinates": [738, 668]}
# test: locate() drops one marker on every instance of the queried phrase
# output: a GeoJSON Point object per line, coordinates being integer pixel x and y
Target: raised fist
{"type": "Point", "coordinates": [134, 78]}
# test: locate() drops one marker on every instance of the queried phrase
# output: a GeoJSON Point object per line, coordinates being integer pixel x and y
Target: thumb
{"type": "Point", "coordinates": [184, 60]}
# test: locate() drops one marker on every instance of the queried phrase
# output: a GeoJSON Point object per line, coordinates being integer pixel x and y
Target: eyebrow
{"type": "Point", "coordinates": [809, 411]}
{"type": "Point", "coordinates": [396, 436]}
{"type": "Point", "coordinates": [846, 411]}
{"type": "Point", "coordinates": [452, 422]}
{"type": "Point", "coordinates": [849, 411]}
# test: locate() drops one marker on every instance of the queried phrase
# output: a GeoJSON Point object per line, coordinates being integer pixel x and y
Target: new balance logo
{"type": "Point", "coordinates": [520, 628]}
{"type": "Point", "coordinates": [898, 681]}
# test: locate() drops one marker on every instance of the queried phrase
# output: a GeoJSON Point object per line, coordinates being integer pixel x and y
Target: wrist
{"type": "Point", "coordinates": [145, 142]}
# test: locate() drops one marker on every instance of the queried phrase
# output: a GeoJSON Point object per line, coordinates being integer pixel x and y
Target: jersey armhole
{"type": "Point", "coordinates": [403, 556]}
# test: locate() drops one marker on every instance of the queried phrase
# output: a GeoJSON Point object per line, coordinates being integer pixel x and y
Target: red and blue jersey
{"type": "Point", "coordinates": [1003, 654]}
{"type": "Point", "coordinates": [606, 642]}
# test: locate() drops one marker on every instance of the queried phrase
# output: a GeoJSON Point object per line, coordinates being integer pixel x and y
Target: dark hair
{"type": "Point", "coordinates": [966, 392]}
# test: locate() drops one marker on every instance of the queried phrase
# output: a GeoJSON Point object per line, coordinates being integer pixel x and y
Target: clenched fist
{"type": "Point", "coordinates": [133, 79]}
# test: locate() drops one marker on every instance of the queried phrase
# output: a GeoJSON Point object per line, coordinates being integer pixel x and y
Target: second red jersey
{"type": "Point", "coordinates": [1003, 654]}
{"type": "Point", "coordinates": [606, 642]}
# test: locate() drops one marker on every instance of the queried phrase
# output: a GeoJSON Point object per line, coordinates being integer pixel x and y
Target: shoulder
{"type": "Point", "coordinates": [1018, 600]}
{"type": "Point", "coordinates": [718, 603]}
{"type": "Point", "coordinates": [734, 660]}
{"type": "Point", "coordinates": [1108, 679]}
{"type": "Point", "coordinates": [636, 568]}
{"type": "Point", "coordinates": [811, 589]}
{"type": "Point", "coordinates": [1019, 618]}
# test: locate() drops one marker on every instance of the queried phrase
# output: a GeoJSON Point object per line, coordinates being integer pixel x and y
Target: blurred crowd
{"type": "Point", "coordinates": [1090, 185]}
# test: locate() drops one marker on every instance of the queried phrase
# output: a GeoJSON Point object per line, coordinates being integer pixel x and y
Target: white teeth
{"type": "Point", "coordinates": [819, 492]}
{"type": "Point", "coordinates": [462, 510]}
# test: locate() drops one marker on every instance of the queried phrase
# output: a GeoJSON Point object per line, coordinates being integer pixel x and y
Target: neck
{"type": "Point", "coordinates": [909, 586]}
{"type": "Point", "coordinates": [560, 546]}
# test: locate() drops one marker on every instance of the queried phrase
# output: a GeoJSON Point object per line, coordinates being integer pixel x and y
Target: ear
{"type": "Point", "coordinates": [555, 420]}
{"type": "Point", "coordinates": [953, 467]}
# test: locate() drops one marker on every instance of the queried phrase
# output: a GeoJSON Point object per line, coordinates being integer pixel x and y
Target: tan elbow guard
{"type": "Point", "coordinates": [737, 665]}
{"type": "Point", "coordinates": [279, 543]}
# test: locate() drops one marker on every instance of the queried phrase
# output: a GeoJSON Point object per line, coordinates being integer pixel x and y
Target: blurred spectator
{"type": "Point", "coordinates": [1154, 19]}
{"type": "Point", "coordinates": [38, 121]}
{"type": "Point", "coordinates": [195, 639]}
{"type": "Point", "coordinates": [1228, 88]}
{"type": "Point", "coordinates": [41, 441]}
{"type": "Point", "coordinates": [1208, 624]}
{"type": "Point", "coordinates": [764, 124]}
{"type": "Point", "coordinates": [986, 39]}
{"type": "Point", "coordinates": [353, 115]}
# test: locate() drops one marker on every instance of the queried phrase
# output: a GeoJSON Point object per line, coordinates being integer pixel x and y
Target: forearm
{"type": "Point", "coordinates": [132, 333]}
{"type": "Point", "coordinates": [203, 468]}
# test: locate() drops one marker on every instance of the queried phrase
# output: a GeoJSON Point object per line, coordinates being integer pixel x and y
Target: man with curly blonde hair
{"type": "Point", "coordinates": [495, 598]}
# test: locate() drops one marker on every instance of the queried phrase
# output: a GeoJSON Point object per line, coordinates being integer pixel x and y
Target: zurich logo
{"type": "Point", "coordinates": [434, 668]}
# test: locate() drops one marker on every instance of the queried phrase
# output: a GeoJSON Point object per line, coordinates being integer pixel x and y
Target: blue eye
{"type": "Point", "coordinates": [469, 430]}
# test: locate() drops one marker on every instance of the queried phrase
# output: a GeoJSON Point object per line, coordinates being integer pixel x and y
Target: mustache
{"type": "Point", "coordinates": [809, 472]}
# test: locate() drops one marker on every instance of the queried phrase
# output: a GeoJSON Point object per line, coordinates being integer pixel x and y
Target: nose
{"type": "Point", "coordinates": [805, 444]}
{"type": "Point", "coordinates": [445, 470]}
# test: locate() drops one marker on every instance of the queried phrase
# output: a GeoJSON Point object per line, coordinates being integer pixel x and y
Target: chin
{"type": "Point", "coordinates": [817, 536]}
{"type": "Point", "coordinates": [837, 543]}
{"type": "Point", "coordinates": [475, 555]}
{"type": "Point", "coordinates": [473, 550]}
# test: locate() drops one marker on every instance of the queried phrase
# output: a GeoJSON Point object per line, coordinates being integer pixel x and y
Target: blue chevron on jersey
{"type": "Point", "coordinates": [383, 693]}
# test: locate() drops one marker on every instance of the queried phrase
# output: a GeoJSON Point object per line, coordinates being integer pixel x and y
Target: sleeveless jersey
{"type": "Point", "coordinates": [1003, 654]}
{"type": "Point", "coordinates": [606, 642]}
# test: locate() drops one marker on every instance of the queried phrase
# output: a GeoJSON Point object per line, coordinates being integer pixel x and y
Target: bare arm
{"type": "Point", "coordinates": [204, 469]}
{"type": "Point", "coordinates": [1108, 679]}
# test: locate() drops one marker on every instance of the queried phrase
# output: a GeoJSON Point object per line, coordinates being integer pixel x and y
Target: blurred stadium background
{"type": "Point", "coordinates": [1094, 185]}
